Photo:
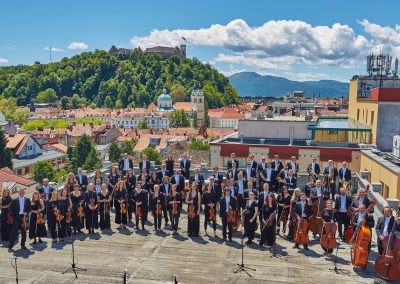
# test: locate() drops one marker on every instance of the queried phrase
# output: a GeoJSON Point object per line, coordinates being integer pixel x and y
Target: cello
{"type": "Point", "coordinates": [359, 252]}
{"type": "Point", "coordinates": [387, 265]}
{"type": "Point", "coordinates": [315, 222]}
{"type": "Point", "coordinates": [328, 240]}
{"type": "Point", "coordinates": [301, 236]}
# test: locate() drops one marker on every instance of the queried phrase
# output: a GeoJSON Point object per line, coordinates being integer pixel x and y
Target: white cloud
{"type": "Point", "coordinates": [306, 76]}
{"type": "Point", "coordinates": [3, 61]}
{"type": "Point", "coordinates": [77, 45]}
{"type": "Point", "coordinates": [55, 49]}
{"type": "Point", "coordinates": [270, 45]}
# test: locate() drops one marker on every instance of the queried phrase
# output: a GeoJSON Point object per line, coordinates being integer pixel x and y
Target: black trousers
{"type": "Point", "coordinates": [14, 232]}
{"type": "Point", "coordinates": [157, 220]}
{"type": "Point", "coordinates": [206, 219]}
{"type": "Point", "coordinates": [226, 225]}
{"type": "Point", "coordinates": [142, 220]}
{"type": "Point", "coordinates": [343, 222]}
{"type": "Point", "coordinates": [174, 221]}
{"type": "Point", "coordinates": [268, 234]}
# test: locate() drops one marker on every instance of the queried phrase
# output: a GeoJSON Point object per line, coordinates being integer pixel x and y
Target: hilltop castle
{"type": "Point", "coordinates": [163, 51]}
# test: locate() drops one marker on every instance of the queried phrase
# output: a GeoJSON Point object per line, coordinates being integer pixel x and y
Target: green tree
{"type": "Point", "coordinates": [5, 154]}
{"type": "Point", "coordinates": [178, 93]}
{"type": "Point", "coordinates": [179, 118]}
{"type": "Point", "coordinates": [64, 102]}
{"type": "Point", "coordinates": [143, 124]}
{"type": "Point", "coordinates": [108, 102]}
{"type": "Point", "coordinates": [75, 101]}
{"type": "Point", "coordinates": [152, 155]}
{"type": "Point", "coordinates": [83, 150]}
{"type": "Point", "coordinates": [114, 153]}
{"type": "Point", "coordinates": [198, 145]}
{"type": "Point", "coordinates": [129, 146]}
{"type": "Point", "coordinates": [47, 96]}
{"type": "Point", "coordinates": [195, 121]}
{"type": "Point", "coordinates": [60, 176]}
{"type": "Point", "coordinates": [41, 170]}
{"type": "Point", "coordinates": [21, 115]}
{"type": "Point", "coordinates": [93, 161]}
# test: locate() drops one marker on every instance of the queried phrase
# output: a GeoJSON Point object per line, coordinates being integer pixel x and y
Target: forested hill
{"type": "Point", "coordinates": [101, 79]}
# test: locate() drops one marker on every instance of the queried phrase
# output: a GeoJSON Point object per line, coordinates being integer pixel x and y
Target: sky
{"type": "Point", "coordinates": [299, 40]}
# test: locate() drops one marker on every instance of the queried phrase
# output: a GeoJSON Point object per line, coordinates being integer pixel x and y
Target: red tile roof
{"type": "Point", "coordinates": [7, 175]}
{"type": "Point", "coordinates": [186, 106]}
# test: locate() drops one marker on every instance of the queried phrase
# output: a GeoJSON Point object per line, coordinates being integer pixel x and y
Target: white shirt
{"type": "Point", "coordinates": [176, 179]}
{"type": "Point", "coordinates": [46, 191]}
{"type": "Point", "coordinates": [293, 167]}
{"type": "Point", "coordinates": [166, 188]}
{"type": "Point", "coordinates": [126, 164]}
{"type": "Point", "coordinates": [232, 191]}
{"type": "Point", "coordinates": [144, 164]}
{"type": "Point", "coordinates": [318, 191]}
{"type": "Point", "coordinates": [196, 177]}
{"type": "Point", "coordinates": [80, 178]}
{"type": "Point", "coordinates": [276, 165]}
{"type": "Point", "coordinates": [343, 203]}
{"type": "Point", "coordinates": [227, 200]}
{"type": "Point", "coordinates": [361, 217]}
{"type": "Point", "coordinates": [313, 167]}
{"type": "Point", "coordinates": [269, 173]}
{"type": "Point", "coordinates": [98, 188]}
{"type": "Point", "coordinates": [21, 205]}
{"type": "Point", "coordinates": [344, 172]}
{"type": "Point", "coordinates": [303, 204]}
{"type": "Point", "coordinates": [241, 186]}
{"type": "Point", "coordinates": [386, 227]}
{"type": "Point", "coordinates": [248, 172]}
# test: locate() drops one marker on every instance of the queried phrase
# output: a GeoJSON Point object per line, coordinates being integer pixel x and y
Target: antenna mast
{"type": "Point", "coordinates": [50, 54]}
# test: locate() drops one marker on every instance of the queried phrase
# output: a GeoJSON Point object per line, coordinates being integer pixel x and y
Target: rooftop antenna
{"type": "Point", "coordinates": [396, 67]}
{"type": "Point", "coordinates": [50, 54]}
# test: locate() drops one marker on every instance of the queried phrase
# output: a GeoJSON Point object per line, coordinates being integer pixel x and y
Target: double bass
{"type": "Point", "coordinates": [292, 220]}
{"type": "Point", "coordinates": [315, 223]}
{"type": "Point", "coordinates": [348, 234]}
{"type": "Point", "coordinates": [387, 265]}
{"type": "Point", "coordinates": [359, 252]}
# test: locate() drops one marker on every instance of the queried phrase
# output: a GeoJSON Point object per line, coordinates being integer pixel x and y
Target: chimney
{"type": "Point", "coordinates": [52, 128]}
{"type": "Point", "coordinates": [91, 125]}
{"type": "Point", "coordinates": [84, 124]}
{"type": "Point", "coordinates": [73, 123]}
{"type": "Point", "coordinates": [70, 128]}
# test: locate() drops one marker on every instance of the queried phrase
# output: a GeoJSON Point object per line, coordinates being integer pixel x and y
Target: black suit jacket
{"type": "Point", "coordinates": [317, 169]}
{"type": "Point", "coordinates": [254, 164]}
{"type": "Point", "coordinates": [84, 182]}
{"type": "Point", "coordinates": [335, 172]}
{"type": "Point", "coordinates": [217, 190]}
{"type": "Point", "coordinates": [185, 168]}
{"type": "Point", "coordinates": [180, 183]}
{"type": "Point", "coordinates": [347, 174]}
{"type": "Point", "coordinates": [222, 205]}
{"type": "Point", "coordinates": [163, 190]}
{"type": "Point", "coordinates": [307, 209]}
{"type": "Point", "coordinates": [253, 173]}
{"type": "Point", "coordinates": [236, 184]}
{"type": "Point", "coordinates": [41, 192]}
{"type": "Point", "coordinates": [356, 202]}
{"type": "Point", "coordinates": [261, 198]}
{"type": "Point", "coordinates": [230, 174]}
{"type": "Point", "coordinates": [291, 183]}
{"type": "Point", "coordinates": [14, 207]}
{"type": "Point", "coordinates": [369, 220]}
{"type": "Point", "coordinates": [229, 164]}
{"type": "Point", "coordinates": [200, 178]}
{"type": "Point", "coordinates": [338, 202]}
{"type": "Point", "coordinates": [280, 166]}
{"type": "Point", "coordinates": [381, 224]}
{"type": "Point", "coordinates": [121, 164]}
{"type": "Point", "coordinates": [169, 164]}
{"type": "Point", "coordinates": [160, 174]}
{"type": "Point", "coordinates": [314, 194]}
{"type": "Point", "coordinates": [296, 165]}
{"type": "Point", "coordinates": [147, 166]}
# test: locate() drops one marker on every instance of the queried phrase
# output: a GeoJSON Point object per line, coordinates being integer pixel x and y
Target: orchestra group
{"type": "Point", "coordinates": [259, 196]}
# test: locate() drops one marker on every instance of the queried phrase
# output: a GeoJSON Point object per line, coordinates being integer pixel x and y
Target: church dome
{"type": "Point", "coordinates": [164, 97]}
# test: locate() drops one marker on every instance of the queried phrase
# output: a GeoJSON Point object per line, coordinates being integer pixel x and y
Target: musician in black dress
{"type": "Point", "coordinates": [52, 206]}
{"type": "Point", "coordinates": [91, 210]}
{"type": "Point", "coordinates": [250, 218]}
{"type": "Point", "coordinates": [328, 216]}
{"type": "Point", "coordinates": [268, 226]}
{"type": "Point", "coordinates": [174, 208]}
{"type": "Point", "coordinates": [283, 207]}
{"type": "Point", "coordinates": [130, 184]}
{"type": "Point", "coordinates": [65, 206]}
{"type": "Point", "coordinates": [193, 199]}
{"type": "Point", "coordinates": [112, 181]}
{"type": "Point", "coordinates": [210, 208]}
{"type": "Point", "coordinates": [6, 218]}
{"type": "Point", "coordinates": [97, 175]}
{"type": "Point", "coordinates": [157, 205]}
{"type": "Point", "coordinates": [227, 205]}
{"type": "Point", "coordinates": [292, 214]}
{"type": "Point", "coordinates": [139, 199]}
{"type": "Point", "coordinates": [153, 181]}
{"type": "Point", "coordinates": [71, 181]}
{"type": "Point", "coordinates": [120, 201]}
{"type": "Point", "coordinates": [37, 229]}
{"type": "Point", "coordinates": [77, 199]}
{"type": "Point", "coordinates": [104, 201]}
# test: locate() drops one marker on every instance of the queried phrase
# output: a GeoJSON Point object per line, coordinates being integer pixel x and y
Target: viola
{"type": "Point", "coordinates": [211, 214]}
{"type": "Point", "coordinates": [122, 209]}
{"type": "Point", "coordinates": [285, 215]}
{"type": "Point", "coordinates": [138, 211]}
{"type": "Point", "coordinates": [269, 221]}
{"type": "Point", "coordinates": [387, 265]}
{"type": "Point", "coordinates": [40, 218]}
{"type": "Point", "coordinates": [59, 216]}
{"type": "Point", "coordinates": [158, 208]}
{"type": "Point", "coordinates": [292, 221]}
{"type": "Point", "coordinates": [80, 213]}
{"type": "Point", "coordinates": [359, 252]}
{"type": "Point", "coordinates": [191, 211]}
{"type": "Point", "coordinates": [25, 222]}
{"type": "Point", "coordinates": [301, 236]}
{"type": "Point", "coordinates": [328, 240]}
{"type": "Point", "coordinates": [175, 209]}
{"type": "Point", "coordinates": [9, 218]}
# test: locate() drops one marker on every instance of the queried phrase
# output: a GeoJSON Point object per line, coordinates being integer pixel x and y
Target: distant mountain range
{"type": "Point", "coordinates": [253, 84]}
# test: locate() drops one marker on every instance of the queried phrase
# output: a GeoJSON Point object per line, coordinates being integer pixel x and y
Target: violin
{"type": "Point", "coordinates": [211, 214]}
{"type": "Point", "coordinates": [301, 236]}
{"type": "Point", "coordinates": [292, 222]}
{"type": "Point", "coordinates": [138, 211]}
{"type": "Point", "coordinates": [359, 252]}
{"type": "Point", "coordinates": [25, 222]}
{"type": "Point", "coordinates": [69, 217]}
{"type": "Point", "coordinates": [387, 265]}
{"type": "Point", "coordinates": [328, 239]}
{"type": "Point", "coordinates": [9, 218]}
{"type": "Point", "coordinates": [175, 210]}
{"type": "Point", "coordinates": [122, 210]}
{"type": "Point", "coordinates": [269, 221]}
{"type": "Point", "coordinates": [80, 213]}
{"type": "Point", "coordinates": [158, 208]}
{"type": "Point", "coordinates": [59, 216]}
{"type": "Point", "coordinates": [40, 218]}
{"type": "Point", "coordinates": [191, 211]}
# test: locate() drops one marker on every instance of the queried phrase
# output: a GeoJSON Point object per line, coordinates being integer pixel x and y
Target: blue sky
{"type": "Point", "coordinates": [303, 40]}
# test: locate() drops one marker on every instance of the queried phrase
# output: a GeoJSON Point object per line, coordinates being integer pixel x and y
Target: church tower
{"type": "Point", "coordinates": [197, 100]}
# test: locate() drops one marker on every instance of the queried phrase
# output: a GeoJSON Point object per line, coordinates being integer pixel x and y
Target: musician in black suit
{"type": "Point", "coordinates": [250, 173]}
{"type": "Point", "coordinates": [260, 170]}
{"type": "Point", "coordinates": [234, 190]}
{"type": "Point", "coordinates": [216, 188]}
{"type": "Point", "coordinates": [384, 228]}
{"type": "Point", "coordinates": [82, 179]}
{"type": "Point", "coordinates": [361, 198]}
{"type": "Point", "coordinates": [170, 166]}
{"type": "Point", "coordinates": [293, 165]}
{"type": "Point", "coordinates": [198, 179]}
{"type": "Point", "coordinates": [363, 218]}
{"type": "Point", "coordinates": [163, 172]}
{"type": "Point", "coordinates": [331, 174]}
{"type": "Point", "coordinates": [241, 185]}
{"type": "Point", "coordinates": [165, 189]}
{"type": "Point", "coordinates": [291, 181]}
{"type": "Point", "coordinates": [46, 190]}
{"type": "Point", "coordinates": [268, 176]}
{"type": "Point", "coordinates": [302, 210]}
{"type": "Point", "coordinates": [276, 164]}
{"type": "Point", "coordinates": [342, 204]}
{"type": "Point", "coordinates": [19, 208]}
{"type": "Point", "coordinates": [319, 191]}
{"type": "Point", "coordinates": [262, 197]}
{"type": "Point", "coordinates": [179, 180]}
{"type": "Point", "coordinates": [227, 203]}
{"type": "Point", "coordinates": [232, 161]}
{"type": "Point", "coordinates": [217, 175]}
{"type": "Point", "coordinates": [281, 177]}
{"type": "Point", "coordinates": [345, 173]}
{"type": "Point", "coordinates": [233, 172]}
{"type": "Point", "coordinates": [185, 167]}
{"type": "Point", "coordinates": [253, 162]}
{"type": "Point", "coordinates": [313, 169]}
{"type": "Point", "coordinates": [144, 164]}
{"type": "Point", "coordinates": [125, 164]}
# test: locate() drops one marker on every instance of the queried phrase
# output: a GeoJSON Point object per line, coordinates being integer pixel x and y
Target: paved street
{"type": "Point", "coordinates": [155, 258]}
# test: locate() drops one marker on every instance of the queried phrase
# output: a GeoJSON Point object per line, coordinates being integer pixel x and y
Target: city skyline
{"type": "Point", "coordinates": [299, 41]}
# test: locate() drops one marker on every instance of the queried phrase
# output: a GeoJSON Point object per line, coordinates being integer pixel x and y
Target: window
{"type": "Point", "coordinates": [358, 114]}
{"type": "Point", "coordinates": [366, 116]}
{"type": "Point", "coordinates": [372, 117]}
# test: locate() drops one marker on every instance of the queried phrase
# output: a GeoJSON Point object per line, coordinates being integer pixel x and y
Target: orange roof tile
{"type": "Point", "coordinates": [186, 106]}
{"type": "Point", "coordinates": [14, 141]}
{"type": "Point", "coordinates": [7, 175]}
{"type": "Point", "coordinates": [60, 147]}
{"type": "Point", "coordinates": [143, 143]}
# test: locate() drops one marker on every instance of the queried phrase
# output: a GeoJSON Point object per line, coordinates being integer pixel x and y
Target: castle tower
{"type": "Point", "coordinates": [197, 100]}
{"type": "Point", "coordinates": [183, 49]}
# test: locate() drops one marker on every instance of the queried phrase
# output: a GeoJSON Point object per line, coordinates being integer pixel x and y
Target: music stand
{"type": "Point", "coordinates": [73, 268]}
{"type": "Point", "coordinates": [241, 267]}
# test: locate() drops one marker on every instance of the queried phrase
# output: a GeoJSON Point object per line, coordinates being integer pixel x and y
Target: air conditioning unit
{"type": "Point", "coordinates": [396, 146]}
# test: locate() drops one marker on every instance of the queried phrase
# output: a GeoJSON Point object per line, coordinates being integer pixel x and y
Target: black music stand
{"type": "Point", "coordinates": [73, 268]}
{"type": "Point", "coordinates": [241, 267]}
